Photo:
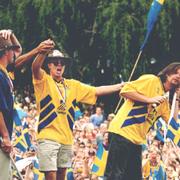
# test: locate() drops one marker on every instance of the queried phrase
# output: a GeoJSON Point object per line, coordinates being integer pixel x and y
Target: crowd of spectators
{"type": "Point", "coordinates": [90, 129]}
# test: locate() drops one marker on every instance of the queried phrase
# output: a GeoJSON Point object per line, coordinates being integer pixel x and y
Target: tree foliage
{"type": "Point", "coordinates": [102, 36]}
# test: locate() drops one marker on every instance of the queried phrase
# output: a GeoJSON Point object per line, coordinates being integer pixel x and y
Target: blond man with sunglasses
{"type": "Point", "coordinates": [56, 98]}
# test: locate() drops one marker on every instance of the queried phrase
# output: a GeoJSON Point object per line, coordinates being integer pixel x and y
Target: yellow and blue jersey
{"type": "Point", "coordinates": [134, 119]}
{"type": "Point", "coordinates": [56, 118]}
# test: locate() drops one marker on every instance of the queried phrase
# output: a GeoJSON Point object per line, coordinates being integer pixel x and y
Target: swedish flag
{"type": "Point", "coordinates": [152, 18]}
{"type": "Point", "coordinates": [37, 174]}
{"type": "Point", "coordinates": [20, 142]}
{"type": "Point", "coordinates": [174, 131]}
{"type": "Point", "coordinates": [99, 165]}
{"type": "Point", "coordinates": [26, 135]}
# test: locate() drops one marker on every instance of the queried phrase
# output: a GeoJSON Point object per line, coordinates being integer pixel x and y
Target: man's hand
{"type": "Point", "coordinates": [6, 145]}
{"type": "Point", "coordinates": [156, 100]}
{"type": "Point", "coordinates": [6, 34]}
{"type": "Point", "coordinates": [9, 35]}
{"type": "Point", "coordinates": [45, 46]}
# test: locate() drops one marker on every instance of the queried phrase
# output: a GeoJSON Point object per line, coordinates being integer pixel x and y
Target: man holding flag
{"type": "Point", "coordinates": [144, 103]}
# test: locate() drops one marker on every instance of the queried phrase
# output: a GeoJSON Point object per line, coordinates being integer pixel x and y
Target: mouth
{"type": "Point", "coordinates": [59, 71]}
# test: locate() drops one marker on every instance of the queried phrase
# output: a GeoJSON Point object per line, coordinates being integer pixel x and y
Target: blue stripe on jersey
{"type": "Point", "coordinates": [72, 113]}
{"type": "Point", "coordinates": [46, 111]}
{"type": "Point", "coordinates": [45, 101]}
{"type": "Point", "coordinates": [47, 121]}
{"type": "Point", "coordinates": [136, 103]}
{"type": "Point", "coordinates": [70, 121]}
{"type": "Point", "coordinates": [134, 120]}
{"type": "Point", "coordinates": [139, 111]}
{"type": "Point", "coordinates": [74, 103]}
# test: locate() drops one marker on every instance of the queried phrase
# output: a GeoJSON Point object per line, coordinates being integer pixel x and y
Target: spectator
{"type": "Point", "coordinates": [97, 118]}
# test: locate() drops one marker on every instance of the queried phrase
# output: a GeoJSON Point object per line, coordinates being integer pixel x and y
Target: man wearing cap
{"type": "Point", "coordinates": [9, 49]}
{"type": "Point", "coordinates": [56, 98]}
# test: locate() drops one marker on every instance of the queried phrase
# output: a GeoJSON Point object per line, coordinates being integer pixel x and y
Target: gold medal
{"type": "Point", "coordinates": [62, 108]}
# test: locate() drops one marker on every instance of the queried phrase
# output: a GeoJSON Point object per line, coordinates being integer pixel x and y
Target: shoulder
{"type": "Point", "coordinates": [148, 76]}
{"type": "Point", "coordinates": [2, 77]}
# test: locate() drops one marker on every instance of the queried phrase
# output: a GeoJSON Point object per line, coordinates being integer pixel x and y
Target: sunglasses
{"type": "Point", "coordinates": [58, 61]}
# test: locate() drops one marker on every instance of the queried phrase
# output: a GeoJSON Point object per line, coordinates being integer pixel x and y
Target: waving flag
{"type": "Point", "coordinates": [37, 174]}
{"type": "Point", "coordinates": [173, 131]}
{"type": "Point", "coordinates": [99, 165]}
{"type": "Point", "coordinates": [20, 143]}
{"type": "Point", "coordinates": [152, 18]}
{"type": "Point", "coordinates": [26, 135]}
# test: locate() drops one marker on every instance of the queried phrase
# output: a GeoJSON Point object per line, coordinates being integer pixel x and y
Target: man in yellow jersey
{"type": "Point", "coordinates": [56, 98]}
{"type": "Point", "coordinates": [144, 103]}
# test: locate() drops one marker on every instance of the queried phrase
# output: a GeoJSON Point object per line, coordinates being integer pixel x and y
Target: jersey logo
{"type": "Point", "coordinates": [62, 108]}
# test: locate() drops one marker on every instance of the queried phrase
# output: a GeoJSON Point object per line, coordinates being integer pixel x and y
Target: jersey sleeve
{"type": "Point", "coordinates": [85, 93]}
{"type": "Point", "coordinates": [37, 81]}
{"type": "Point", "coordinates": [3, 103]}
{"type": "Point", "coordinates": [39, 84]}
{"type": "Point", "coordinates": [146, 85]}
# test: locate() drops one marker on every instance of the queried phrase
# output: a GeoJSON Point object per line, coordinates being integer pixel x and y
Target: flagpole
{"type": "Point", "coordinates": [130, 77]}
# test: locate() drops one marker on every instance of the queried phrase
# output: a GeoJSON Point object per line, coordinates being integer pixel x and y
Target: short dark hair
{"type": "Point", "coordinates": [168, 70]}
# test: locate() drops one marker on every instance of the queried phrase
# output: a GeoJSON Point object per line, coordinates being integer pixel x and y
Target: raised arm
{"type": "Point", "coordinates": [9, 35]}
{"type": "Point", "coordinates": [42, 47]}
{"type": "Point", "coordinates": [38, 62]}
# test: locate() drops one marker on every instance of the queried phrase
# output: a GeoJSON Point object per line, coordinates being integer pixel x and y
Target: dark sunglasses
{"type": "Point", "coordinates": [58, 61]}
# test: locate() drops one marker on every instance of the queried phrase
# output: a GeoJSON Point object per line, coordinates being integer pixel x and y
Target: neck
{"type": "Point", "coordinates": [58, 79]}
{"type": "Point", "coordinates": [3, 63]}
{"type": "Point", "coordinates": [167, 86]}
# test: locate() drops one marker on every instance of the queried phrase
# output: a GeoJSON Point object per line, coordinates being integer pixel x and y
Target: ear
{"type": "Point", "coordinates": [49, 65]}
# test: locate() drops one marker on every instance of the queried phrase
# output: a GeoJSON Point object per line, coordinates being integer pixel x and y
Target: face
{"type": "Point", "coordinates": [98, 110]}
{"type": "Point", "coordinates": [56, 67]}
{"type": "Point", "coordinates": [10, 56]}
{"type": "Point", "coordinates": [174, 79]}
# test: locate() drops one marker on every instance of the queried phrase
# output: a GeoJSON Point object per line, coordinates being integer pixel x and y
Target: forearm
{"type": "Point", "coordinates": [25, 58]}
{"type": "Point", "coordinates": [15, 41]}
{"type": "Point", "coordinates": [37, 64]}
{"type": "Point", "coordinates": [104, 90]}
{"type": "Point", "coordinates": [135, 96]}
{"type": "Point", "coordinates": [3, 129]}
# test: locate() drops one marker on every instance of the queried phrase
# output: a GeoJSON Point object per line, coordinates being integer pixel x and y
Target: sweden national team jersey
{"type": "Point", "coordinates": [134, 119]}
{"type": "Point", "coordinates": [57, 118]}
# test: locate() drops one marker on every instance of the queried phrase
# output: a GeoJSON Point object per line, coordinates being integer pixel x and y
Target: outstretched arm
{"type": "Point", "coordinates": [103, 90]}
{"type": "Point", "coordinates": [38, 62]}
